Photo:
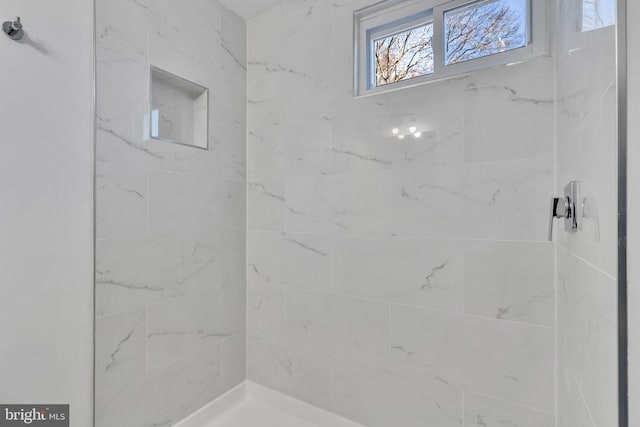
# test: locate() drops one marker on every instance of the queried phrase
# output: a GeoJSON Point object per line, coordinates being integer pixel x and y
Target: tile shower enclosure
{"type": "Point", "coordinates": [170, 251]}
{"type": "Point", "coordinates": [391, 282]}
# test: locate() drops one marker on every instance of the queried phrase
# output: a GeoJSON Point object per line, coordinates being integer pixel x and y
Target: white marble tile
{"type": "Point", "coordinates": [266, 82]}
{"type": "Point", "coordinates": [265, 117]}
{"type": "Point", "coordinates": [341, 53]}
{"type": "Point", "coordinates": [377, 397]}
{"type": "Point", "coordinates": [590, 156]}
{"type": "Point", "coordinates": [191, 273]}
{"type": "Point", "coordinates": [125, 44]}
{"type": "Point", "coordinates": [586, 151]}
{"type": "Point", "coordinates": [345, 204]}
{"type": "Point", "coordinates": [229, 98]}
{"type": "Point", "coordinates": [350, 327]}
{"type": "Point", "coordinates": [233, 367]}
{"type": "Point", "coordinates": [121, 202]}
{"type": "Point", "coordinates": [586, 297]}
{"type": "Point", "coordinates": [587, 310]}
{"type": "Point", "coordinates": [121, 46]}
{"type": "Point", "coordinates": [309, 319]}
{"type": "Point", "coordinates": [580, 87]}
{"type": "Point", "coordinates": [486, 411]}
{"type": "Point", "coordinates": [266, 205]}
{"type": "Point", "coordinates": [270, 16]}
{"type": "Point", "coordinates": [361, 329]}
{"type": "Point", "coordinates": [309, 207]}
{"type": "Point", "coordinates": [507, 360]}
{"type": "Point", "coordinates": [505, 200]}
{"type": "Point", "coordinates": [483, 411]}
{"type": "Point", "coordinates": [179, 35]}
{"type": "Point", "coordinates": [123, 139]}
{"type": "Point", "coordinates": [264, 161]}
{"type": "Point", "coordinates": [132, 35]}
{"type": "Point", "coordinates": [163, 397]}
{"type": "Point", "coordinates": [122, 135]}
{"type": "Point", "coordinates": [363, 137]}
{"type": "Point", "coordinates": [512, 119]}
{"type": "Point", "coordinates": [593, 358]}
{"type": "Point", "coordinates": [305, 146]}
{"type": "Point", "coordinates": [422, 272]}
{"type": "Point", "coordinates": [265, 309]}
{"type": "Point", "coordinates": [184, 327]}
{"type": "Point", "coordinates": [290, 259]}
{"type": "Point", "coordinates": [510, 280]}
{"type": "Point", "coordinates": [426, 201]}
{"type": "Point", "coordinates": [233, 248]}
{"type": "Point", "coordinates": [133, 272]}
{"type": "Point", "coordinates": [298, 371]}
{"type": "Point", "coordinates": [226, 156]}
{"type": "Point", "coordinates": [572, 409]}
{"type": "Point", "coordinates": [289, 104]}
{"type": "Point", "coordinates": [303, 24]}
{"type": "Point", "coordinates": [266, 38]}
{"type": "Point", "coordinates": [374, 196]}
{"type": "Point", "coordinates": [234, 45]}
{"type": "Point", "coordinates": [232, 308]}
{"type": "Point", "coordinates": [120, 348]}
{"type": "Point", "coordinates": [181, 203]}
{"type": "Point", "coordinates": [228, 14]}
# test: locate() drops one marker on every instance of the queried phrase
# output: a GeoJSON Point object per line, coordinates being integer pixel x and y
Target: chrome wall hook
{"type": "Point", "coordinates": [13, 29]}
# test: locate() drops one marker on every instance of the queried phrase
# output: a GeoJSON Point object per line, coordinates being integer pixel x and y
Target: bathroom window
{"type": "Point", "coordinates": [597, 14]}
{"type": "Point", "coordinates": [402, 50]}
{"type": "Point", "coordinates": [401, 43]}
{"type": "Point", "coordinates": [484, 28]}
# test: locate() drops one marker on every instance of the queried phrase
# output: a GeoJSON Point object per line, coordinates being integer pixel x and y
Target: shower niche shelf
{"type": "Point", "coordinates": [179, 110]}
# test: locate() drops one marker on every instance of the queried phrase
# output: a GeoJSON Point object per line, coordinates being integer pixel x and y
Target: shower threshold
{"type": "Point", "coordinates": [252, 405]}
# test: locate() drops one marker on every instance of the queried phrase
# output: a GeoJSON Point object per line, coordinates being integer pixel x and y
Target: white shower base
{"type": "Point", "coordinates": [252, 405]}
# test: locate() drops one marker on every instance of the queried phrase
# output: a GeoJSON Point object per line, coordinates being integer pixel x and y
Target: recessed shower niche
{"type": "Point", "coordinates": [179, 109]}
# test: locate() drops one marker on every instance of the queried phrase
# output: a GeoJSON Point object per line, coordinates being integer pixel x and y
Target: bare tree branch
{"type": "Point", "coordinates": [470, 33]}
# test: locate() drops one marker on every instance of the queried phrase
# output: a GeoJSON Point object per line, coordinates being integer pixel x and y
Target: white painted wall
{"type": "Point", "coordinates": [46, 187]}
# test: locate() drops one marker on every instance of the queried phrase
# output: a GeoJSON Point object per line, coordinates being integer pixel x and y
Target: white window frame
{"type": "Point", "coordinates": [402, 14]}
{"type": "Point", "coordinates": [380, 32]}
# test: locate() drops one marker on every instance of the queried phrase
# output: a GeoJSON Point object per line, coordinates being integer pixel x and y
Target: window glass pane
{"type": "Point", "coordinates": [404, 55]}
{"type": "Point", "coordinates": [484, 28]}
{"type": "Point", "coordinates": [597, 14]}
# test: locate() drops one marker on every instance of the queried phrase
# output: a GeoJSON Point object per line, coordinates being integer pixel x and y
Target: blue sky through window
{"type": "Point", "coordinates": [470, 30]}
{"type": "Point", "coordinates": [404, 55]}
{"type": "Point", "coordinates": [484, 28]}
{"type": "Point", "coordinates": [598, 14]}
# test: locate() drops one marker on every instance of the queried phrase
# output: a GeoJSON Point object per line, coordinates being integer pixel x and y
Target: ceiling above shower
{"type": "Point", "coordinates": [249, 8]}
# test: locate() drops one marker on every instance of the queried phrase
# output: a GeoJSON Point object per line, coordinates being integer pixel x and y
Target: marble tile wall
{"type": "Point", "coordinates": [393, 281]}
{"type": "Point", "coordinates": [170, 253]}
{"type": "Point", "coordinates": [389, 281]}
{"type": "Point", "coordinates": [587, 288]}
